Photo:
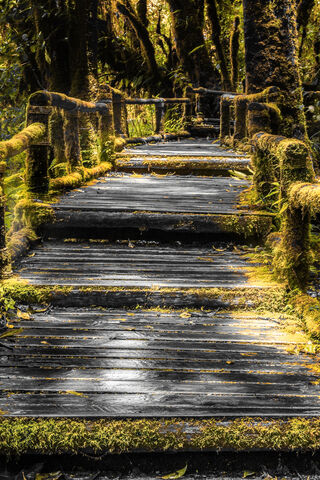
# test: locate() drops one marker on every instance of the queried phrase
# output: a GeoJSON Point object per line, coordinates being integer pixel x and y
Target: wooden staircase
{"type": "Point", "coordinates": [150, 302]}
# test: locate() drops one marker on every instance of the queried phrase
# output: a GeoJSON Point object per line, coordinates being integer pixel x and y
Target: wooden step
{"type": "Point", "coordinates": [145, 203]}
{"type": "Point", "coordinates": [139, 363]}
{"type": "Point", "coordinates": [109, 265]}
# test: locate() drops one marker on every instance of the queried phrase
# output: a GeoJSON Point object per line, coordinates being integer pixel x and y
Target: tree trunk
{"type": "Point", "coordinates": [216, 39]}
{"type": "Point", "coordinates": [187, 20]}
{"type": "Point", "coordinates": [271, 57]}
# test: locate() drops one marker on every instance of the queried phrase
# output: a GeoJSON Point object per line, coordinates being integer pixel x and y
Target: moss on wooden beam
{"type": "Point", "coordinates": [305, 196]}
{"type": "Point", "coordinates": [72, 436]}
{"type": "Point", "coordinates": [79, 177]}
{"type": "Point", "coordinates": [21, 141]}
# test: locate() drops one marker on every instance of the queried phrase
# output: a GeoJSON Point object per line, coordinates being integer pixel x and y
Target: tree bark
{"type": "Point", "coordinates": [272, 57]}
{"type": "Point", "coordinates": [187, 20]}
{"type": "Point", "coordinates": [216, 39]}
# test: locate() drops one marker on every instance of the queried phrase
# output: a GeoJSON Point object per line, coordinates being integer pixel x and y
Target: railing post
{"type": "Point", "coordinates": [4, 253]}
{"type": "Point", "coordinates": [240, 114]}
{"type": "Point", "coordinates": [293, 256]}
{"type": "Point", "coordinates": [72, 138]}
{"type": "Point", "coordinates": [159, 114]}
{"type": "Point", "coordinates": [117, 105]}
{"type": "Point", "coordinates": [37, 178]}
{"type": "Point", "coordinates": [105, 131]}
{"type": "Point", "coordinates": [225, 118]}
{"type": "Point", "coordinates": [258, 119]}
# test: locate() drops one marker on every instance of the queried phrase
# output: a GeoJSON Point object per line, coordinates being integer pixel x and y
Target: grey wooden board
{"type": "Point", "coordinates": [186, 147]}
{"type": "Point", "coordinates": [172, 194]}
{"type": "Point", "coordinates": [81, 264]}
{"type": "Point", "coordinates": [55, 358]}
{"type": "Point", "coordinates": [201, 165]}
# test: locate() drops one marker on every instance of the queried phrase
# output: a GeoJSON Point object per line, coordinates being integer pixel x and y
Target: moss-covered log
{"type": "Point", "coordinates": [272, 59]}
{"type": "Point", "coordinates": [305, 196]}
{"type": "Point", "coordinates": [292, 255]}
{"type": "Point", "coordinates": [22, 140]}
{"type": "Point", "coordinates": [20, 436]}
{"type": "Point", "coordinates": [59, 100]}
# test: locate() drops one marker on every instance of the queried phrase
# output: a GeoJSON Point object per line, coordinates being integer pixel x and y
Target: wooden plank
{"type": "Point", "coordinates": [150, 405]}
{"type": "Point", "coordinates": [148, 193]}
{"type": "Point", "coordinates": [103, 265]}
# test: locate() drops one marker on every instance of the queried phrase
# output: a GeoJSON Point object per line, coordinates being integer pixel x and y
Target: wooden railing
{"type": "Point", "coordinates": [56, 121]}
{"type": "Point", "coordinates": [283, 176]}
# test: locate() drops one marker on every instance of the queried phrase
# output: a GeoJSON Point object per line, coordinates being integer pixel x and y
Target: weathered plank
{"type": "Point", "coordinates": [81, 264]}
{"type": "Point", "coordinates": [69, 362]}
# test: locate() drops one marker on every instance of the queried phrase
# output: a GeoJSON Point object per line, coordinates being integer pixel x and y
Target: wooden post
{"type": "Point", "coordinates": [105, 132]}
{"type": "Point", "coordinates": [117, 105]}
{"type": "Point", "coordinates": [37, 178]}
{"type": "Point", "coordinates": [159, 113]}
{"type": "Point", "coordinates": [258, 119]}
{"type": "Point", "coordinates": [225, 117]}
{"type": "Point", "coordinates": [72, 138]}
{"type": "Point", "coordinates": [5, 268]}
{"type": "Point", "coordinates": [240, 113]}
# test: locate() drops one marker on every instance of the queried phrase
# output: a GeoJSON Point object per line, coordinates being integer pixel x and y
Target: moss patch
{"type": "Point", "coordinates": [19, 142]}
{"type": "Point", "coordinates": [79, 177]}
{"type": "Point", "coordinates": [57, 436]}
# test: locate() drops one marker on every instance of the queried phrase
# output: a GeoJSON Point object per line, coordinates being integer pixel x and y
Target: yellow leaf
{"type": "Point", "coordinates": [246, 474]}
{"type": "Point", "coordinates": [23, 315]}
{"type": "Point", "coordinates": [11, 333]}
{"type": "Point", "coordinates": [48, 476]}
{"type": "Point", "coordinates": [177, 474]}
{"type": "Point", "coordinates": [44, 342]}
{"type": "Point", "coordinates": [2, 412]}
{"type": "Point", "coordinates": [185, 315]}
{"type": "Point", "coordinates": [71, 392]}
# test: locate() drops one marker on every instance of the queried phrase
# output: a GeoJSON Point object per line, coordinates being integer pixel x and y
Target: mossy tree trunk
{"type": "Point", "coordinates": [216, 39]}
{"type": "Point", "coordinates": [271, 57]}
{"type": "Point", "coordinates": [79, 15]}
{"type": "Point", "coordinates": [187, 20]}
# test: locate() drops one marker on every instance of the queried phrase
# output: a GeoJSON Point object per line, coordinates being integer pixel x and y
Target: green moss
{"type": "Point", "coordinates": [18, 241]}
{"type": "Point", "coordinates": [30, 214]}
{"type": "Point", "coordinates": [58, 436]}
{"type": "Point", "coordinates": [19, 142]}
{"type": "Point", "coordinates": [22, 292]}
{"type": "Point", "coordinates": [79, 177]}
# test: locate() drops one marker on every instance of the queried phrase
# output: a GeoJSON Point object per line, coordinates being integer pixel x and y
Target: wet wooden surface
{"type": "Point", "coordinates": [106, 362]}
{"type": "Point", "coordinates": [132, 363]}
{"type": "Point", "coordinates": [202, 157]}
{"type": "Point", "coordinates": [186, 147]}
{"type": "Point", "coordinates": [103, 264]}
{"type": "Point", "coordinates": [172, 194]}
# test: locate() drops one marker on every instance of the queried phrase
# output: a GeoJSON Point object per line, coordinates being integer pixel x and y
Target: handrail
{"type": "Point", "coordinates": [59, 100]}
{"type": "Point", "coordinates": [54, 119]}
{"type": "Point", "coordinates": [21, 141]}
{"type": "Point", "coordinates": [251, 113]}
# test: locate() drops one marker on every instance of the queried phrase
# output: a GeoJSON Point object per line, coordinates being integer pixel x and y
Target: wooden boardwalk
{"type": "Point", "coordinates": [97, 351]}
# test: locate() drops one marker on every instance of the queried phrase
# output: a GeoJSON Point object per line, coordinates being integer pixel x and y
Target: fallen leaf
{"type": "Point", "coordinates": [23, 315]}
{"type": "Point", "coordinates": [71, 392]}
{"type": "Point", "coordinates": [11, 333]}
{"type": "Point", "coordinates": [177, 474]}
{"type": "Point", "coordinates": [185, 315]}
{"type": "Point", "coordinates": [246, 474]}
{"type": "Point", "coordinates": [48, 476]}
